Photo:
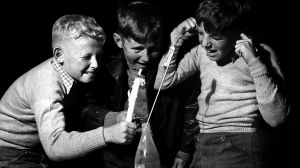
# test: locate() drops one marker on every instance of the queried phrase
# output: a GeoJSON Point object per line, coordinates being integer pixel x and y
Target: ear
{"type": "Point", "coordinates": [57, 52]}
{"type": "Point", "coordinates": [118, 40]}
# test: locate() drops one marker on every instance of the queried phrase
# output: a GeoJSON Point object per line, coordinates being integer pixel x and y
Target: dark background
{"type": "Point", "coordinates": [26, 41]}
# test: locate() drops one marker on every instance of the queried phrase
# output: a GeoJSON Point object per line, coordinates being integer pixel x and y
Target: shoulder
{"type": "Point", "coordinates": [43, 82]}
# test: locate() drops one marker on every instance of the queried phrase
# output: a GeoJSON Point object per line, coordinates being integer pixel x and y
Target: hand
{"type": "Point", "coordinates": [183, 31]}
{"type": "Point", "coordinates": [179, 163]}
{"type": "Point", "coordinates": [244, 48]}
{"type": "Point", "coordinates": [121, 116]}
{"type": "Point", "coordinates": [120, 133]}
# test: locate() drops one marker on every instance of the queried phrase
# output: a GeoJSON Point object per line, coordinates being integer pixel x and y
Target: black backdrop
{"type": "Point", "coordinates": [26, 41]}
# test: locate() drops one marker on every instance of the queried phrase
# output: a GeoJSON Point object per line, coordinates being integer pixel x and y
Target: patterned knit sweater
{"type": "Point", "coordinates": [233, 97]}
{"type": "Point", "coordinates": [31, 114]}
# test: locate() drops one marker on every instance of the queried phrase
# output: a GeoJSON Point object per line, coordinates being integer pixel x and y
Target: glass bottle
{"type": "Point", "coordinates": [146, 154]}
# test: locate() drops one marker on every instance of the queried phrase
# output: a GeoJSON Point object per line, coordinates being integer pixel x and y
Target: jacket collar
{"type": "Point", "coordinates": [117, 67]}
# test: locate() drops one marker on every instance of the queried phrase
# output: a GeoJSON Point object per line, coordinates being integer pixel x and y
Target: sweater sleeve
{"type": "Point", "coordinates": [59, 144]}
{"type": "Point", "coordinates": [270, 89]}
{"type": "Point", "coordinates": [176, 74]}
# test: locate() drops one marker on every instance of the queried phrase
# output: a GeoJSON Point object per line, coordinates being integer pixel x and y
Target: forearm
{"type": "Point", "coordinates": [176, 74]}
{"type": "Point", "coordinates": [57, 142]}
{"type": "Point", "coordinates": [270, 94]}
{"type": "Point", "coordinates": [171, 71]}
{"type": "Point", "coordinates": [71, 145]}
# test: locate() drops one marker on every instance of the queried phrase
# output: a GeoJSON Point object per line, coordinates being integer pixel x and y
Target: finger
{"type": "Point", "coordinates": [193, 19]}
{"type": "Point", "coordinates": [131, 125]}
{"type": "Point", "coordinates": [238, 50]}
{"type": "Point", "coordinates": [129, 137]}
{"type": "Point", "coordinates": [245, 37]}
{"type": "Point", "coordinates": [124, 125]}
{"type": "Point", "coordinates": [238, 45]}
{"type": "Point", "coordinates": [192, 22]}
{"type": "Point", "coordinates": [131, 131]}
{"type": "Point", "coordinates": [194, 27]}
{"type": "Point", "coordinates": [189, 25]}
{"type": "Point", "coordinates": [241, 41]}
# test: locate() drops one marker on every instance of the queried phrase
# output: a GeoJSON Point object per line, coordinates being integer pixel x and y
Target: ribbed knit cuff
{"type": "Point", "coordinates": [110, 119]}
{"type": "Point", "coordinates": [95, 139]}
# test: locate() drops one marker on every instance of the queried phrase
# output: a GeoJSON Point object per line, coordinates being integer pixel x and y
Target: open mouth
{"type": "Point", "coordinates": [211, 53]}
{"type": "Point", "coordinates": [90, 72]}
{"type": "Point", "coordinates": [143, 65]}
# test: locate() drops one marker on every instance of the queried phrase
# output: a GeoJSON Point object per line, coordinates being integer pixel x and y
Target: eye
{"type": "Point", "coordinates": [86, 57]}
{"type": "Point", "coordinates": [217, 37]}
{"type": "Point", "coordinates": [138, 49]}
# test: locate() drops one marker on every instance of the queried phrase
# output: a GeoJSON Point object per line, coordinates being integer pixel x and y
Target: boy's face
{"type": "Point", "coordinates": [79, 58]}
{"type": "Point", "coordinates": [138, 55]}
{"type": "Point", "coordinates": [217, 47]}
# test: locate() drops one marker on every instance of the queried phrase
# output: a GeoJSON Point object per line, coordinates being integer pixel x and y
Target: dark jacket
{"type": "Point", "coordinates": [172, 122]}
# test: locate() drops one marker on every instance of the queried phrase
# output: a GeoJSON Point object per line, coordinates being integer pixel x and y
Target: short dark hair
{"type": "Point", "coordinates": [140, 21]}
{"type": "Point", "coordinates": [222, 16]}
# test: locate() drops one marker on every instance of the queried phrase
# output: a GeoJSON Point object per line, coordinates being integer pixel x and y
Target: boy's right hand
{"type": "Point", "coordinates": [120, 133]}
{"type": "Point", "coordinates": [183, 31]}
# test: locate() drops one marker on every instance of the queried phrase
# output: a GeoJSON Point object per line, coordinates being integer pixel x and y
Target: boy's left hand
{"type": "Point", "coordinates": [179, 163]}
{"type": "Point", "coordinates": [244, 48]}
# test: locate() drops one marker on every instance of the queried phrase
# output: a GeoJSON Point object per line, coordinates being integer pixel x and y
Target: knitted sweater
{"type": "Point", "coordinates": [32, 114]}
{"type": "Point", "coordinates": [233, 97]}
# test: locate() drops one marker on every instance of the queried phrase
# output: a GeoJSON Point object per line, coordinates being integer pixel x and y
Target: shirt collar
{"type": "Point", "coordinates": [68, 81]}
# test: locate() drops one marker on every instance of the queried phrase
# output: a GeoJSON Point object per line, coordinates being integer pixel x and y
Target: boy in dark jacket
{"type": "Point", "coordinates": [139, 36]}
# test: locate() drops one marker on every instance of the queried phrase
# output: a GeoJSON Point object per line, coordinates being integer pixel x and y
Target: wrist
{"type": "Point", "coordinates": [106, 135]}
{"type": "Point", "coordinates": [103, 135]}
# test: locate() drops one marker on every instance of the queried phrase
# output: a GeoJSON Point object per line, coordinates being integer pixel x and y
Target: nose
{"type": "Point", "coordinates": [206, 43]}
{"type": "Point", "coordinates": [94, 62]}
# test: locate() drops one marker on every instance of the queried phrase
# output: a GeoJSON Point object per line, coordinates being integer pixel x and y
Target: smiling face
{"type": "Point", "coordinates": [138, 55]}
{"type": "Point", "coordinates": [218, 48]}
{"type": "Point", "coordinates": [79, 58]}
